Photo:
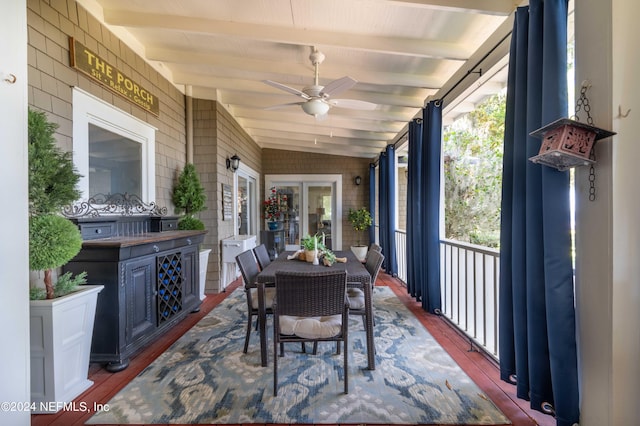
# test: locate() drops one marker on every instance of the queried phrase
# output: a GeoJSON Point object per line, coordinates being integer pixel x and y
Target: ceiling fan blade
{"type": "Point", "coordinates": [352, 104]}
{"type": "Point", "coordinates": [280, 106]}
{"type": "Point", "coordinates": [339, 86]}
{"type": "Point", "coordinates": [286, 88]}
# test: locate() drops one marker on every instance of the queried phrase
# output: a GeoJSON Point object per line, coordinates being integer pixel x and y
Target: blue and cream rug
{"type": "Point", "coordinates": [204, 378]}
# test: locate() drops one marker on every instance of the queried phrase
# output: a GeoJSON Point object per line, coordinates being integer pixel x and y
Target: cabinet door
{"type": "Point", "coordinates": [140, 299]}
{"type": "Point", "coordinates": [191, 283]}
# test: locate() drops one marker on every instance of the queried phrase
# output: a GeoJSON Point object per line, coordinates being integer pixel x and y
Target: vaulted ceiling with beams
{"type": "Point", "coordinates": [253, 56]}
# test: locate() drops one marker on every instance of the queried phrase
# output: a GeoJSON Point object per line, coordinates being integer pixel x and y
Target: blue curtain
{"type": "Point", "coordinates": [372, 202]}
{"type": "Point", "coordinates": [414, 211]}
{"type": "Point", "coordinates": [387, 210]}
{"type": "Point", "coordinates": [430, 202]}
{"type": "Point", "coordinates": [423, 208]}
{"type": "Point", "coordinates": [537, 317]}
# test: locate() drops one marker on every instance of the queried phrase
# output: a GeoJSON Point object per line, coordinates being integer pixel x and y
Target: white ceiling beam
{"type": "Point", "coordinates": [487, 7]}
{"type": "Point", "coordinates": [259, 88]}
{"type": "Point", "coordinates": [309, 137]}
{"type": "Point", "coordinates": [331, 121]}
{"type": "Point", "coordinates": [304, 37]}
{"type": "Point", "coordinates": [329, 72]}
{"type": "Point", "coordinates": [309, 127]}
{"type": "Point", "coordinates": [321, 148]}
{"type": "Point", "coordinates": [243, 108]}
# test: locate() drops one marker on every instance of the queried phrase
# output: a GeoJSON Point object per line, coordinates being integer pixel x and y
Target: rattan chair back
{"type": "Point", "coordinates": [310, 295]}
{"type": "Point", "coordinates": [262, 255]}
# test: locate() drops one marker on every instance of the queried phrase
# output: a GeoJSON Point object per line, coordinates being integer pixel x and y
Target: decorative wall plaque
{"type": "Point", "coordinates": [227, 202]}
{"type": "Point", "coordinates": [87, 61]}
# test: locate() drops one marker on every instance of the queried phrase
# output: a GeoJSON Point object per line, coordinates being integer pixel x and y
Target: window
{"type": "Point", "coordinates": [112, 150]}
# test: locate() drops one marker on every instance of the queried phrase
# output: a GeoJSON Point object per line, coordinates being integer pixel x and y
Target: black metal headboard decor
{"type": "Point", "coordinates": [113, 204]}
{"type": "Point", "coordinates": [118, 215]}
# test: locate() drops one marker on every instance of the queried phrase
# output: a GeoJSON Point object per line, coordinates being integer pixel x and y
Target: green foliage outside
{"type": "Point", "coordinates": [189, 197]}
{"type": "Point", "coordinates": [473, 174]}
{"type": "Point", "coordinates": [360, 220]}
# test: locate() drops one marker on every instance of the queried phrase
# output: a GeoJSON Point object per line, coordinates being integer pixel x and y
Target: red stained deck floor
{"type": "Point", "coordinates": [482, 369]}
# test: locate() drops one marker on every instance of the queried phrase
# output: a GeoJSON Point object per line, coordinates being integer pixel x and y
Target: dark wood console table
{"type": "Point", "coordinates": [150, 283]}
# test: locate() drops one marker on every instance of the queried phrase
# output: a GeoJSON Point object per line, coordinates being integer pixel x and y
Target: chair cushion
{"type": "Point", "coordinates": [311, 327]}
{"type": "Point", "coordinates": [356, 298]}
{"type": "Point", "coordinates": [269, 295]}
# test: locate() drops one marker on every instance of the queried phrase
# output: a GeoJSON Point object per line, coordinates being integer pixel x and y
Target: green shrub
{"type": "Point", "coordinates": [52, 175]}
{"type": "Point", "coordinates": [190, 222]}
{"type": "Point", "coordinates": [53, 241]}
{"type": "Point", "coordinates": [188, 194]}
{"type": "Point", "coordinates": [67, 283]}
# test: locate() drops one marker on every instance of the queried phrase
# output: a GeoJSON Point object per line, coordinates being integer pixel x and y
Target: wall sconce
{"type": "Point", "coordinates": [233, 163]}
{"type": "Point", "coordinates": [358, 180]}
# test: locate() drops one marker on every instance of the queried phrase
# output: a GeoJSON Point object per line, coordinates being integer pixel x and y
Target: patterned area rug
{"type": "Point", "coordinates": [204, 378]}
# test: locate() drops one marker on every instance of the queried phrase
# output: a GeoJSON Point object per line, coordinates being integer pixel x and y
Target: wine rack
{"type": "Point", "coordinates": [169, 286]}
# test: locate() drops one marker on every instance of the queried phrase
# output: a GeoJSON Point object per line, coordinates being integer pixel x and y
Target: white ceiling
{"type": "Point", "coordinates": [400, 52]}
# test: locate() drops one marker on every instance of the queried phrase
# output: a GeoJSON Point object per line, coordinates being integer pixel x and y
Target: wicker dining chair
{"type": "Point", "coordinates": [373, 247]}
{"type": "Point", "coordinates": [310, 308]}
{"type": "Point", "coordinates": [355, 292]}
{"type": "Point", "coordinates": [262, 255]}
{"type": "Point", "coordinates": [249, 269]}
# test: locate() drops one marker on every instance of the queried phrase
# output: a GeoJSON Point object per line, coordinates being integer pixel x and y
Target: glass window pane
{"type": "Point", "coordinates": [115, 163]}
{"type": "Point", "coordinates": [243, 206]}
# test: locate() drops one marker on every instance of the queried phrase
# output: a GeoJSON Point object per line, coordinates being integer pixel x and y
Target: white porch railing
{"type": "Point", "coordinates": [469, 279]}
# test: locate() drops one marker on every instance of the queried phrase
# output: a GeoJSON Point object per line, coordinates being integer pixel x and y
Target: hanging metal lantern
{"type": "Point", "coordinates": [569, 143]}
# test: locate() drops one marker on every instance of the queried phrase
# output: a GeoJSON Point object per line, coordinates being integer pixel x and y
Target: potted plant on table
{"type": "Point", "coordinates": [312, 245]}
{"type": "Point", "coordinates": [360, 219]}
{"type": "Point", "coordinates": [62, 313]}
{"type": "Point", "coordinates": [189, 197]}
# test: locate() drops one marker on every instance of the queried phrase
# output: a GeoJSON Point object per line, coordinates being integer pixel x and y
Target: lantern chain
{"type": "Point", "coordinates": [583, 103]}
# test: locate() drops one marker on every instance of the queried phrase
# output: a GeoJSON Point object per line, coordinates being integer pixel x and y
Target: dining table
{"type": "Point", "coordinates": [357, 277]}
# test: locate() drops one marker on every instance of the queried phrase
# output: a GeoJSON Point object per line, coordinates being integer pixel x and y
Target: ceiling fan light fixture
{"type": "Point", "coordinates": [315, 107]}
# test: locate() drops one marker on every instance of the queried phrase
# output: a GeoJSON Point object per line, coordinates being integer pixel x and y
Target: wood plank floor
{"type": "Point", "coordinates": [482, 369]}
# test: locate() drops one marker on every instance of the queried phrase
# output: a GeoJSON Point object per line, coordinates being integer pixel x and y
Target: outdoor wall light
{"type": "Point", "coordinates": [358, 180]}
{"type": "Point", "coordinates": [233, 163]}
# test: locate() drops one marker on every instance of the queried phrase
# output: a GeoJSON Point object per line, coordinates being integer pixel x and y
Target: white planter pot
{"type": "Point", "coordinates": [61, 332]}
{"type": "Point", "coordinates": [360, 252]}
{"type": "Point", "coordinates": [204, 262]}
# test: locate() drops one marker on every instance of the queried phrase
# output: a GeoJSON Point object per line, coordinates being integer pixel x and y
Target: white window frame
{"type": "Point", "coordinates": [88, 109]}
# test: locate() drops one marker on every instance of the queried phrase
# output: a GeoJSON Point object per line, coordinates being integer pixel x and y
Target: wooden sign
{"type": "Point", "coordinates": [87, 61]}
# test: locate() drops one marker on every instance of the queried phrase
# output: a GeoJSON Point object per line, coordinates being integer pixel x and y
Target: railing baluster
{"type": "Point", "coordinates": [456, 282]}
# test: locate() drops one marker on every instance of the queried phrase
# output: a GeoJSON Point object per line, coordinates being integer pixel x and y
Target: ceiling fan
{"type": "Point", "coordinates": [317, 99]}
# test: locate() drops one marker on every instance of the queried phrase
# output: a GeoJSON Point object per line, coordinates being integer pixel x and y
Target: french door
{"type": "Point", "coordinates": [313, 206]}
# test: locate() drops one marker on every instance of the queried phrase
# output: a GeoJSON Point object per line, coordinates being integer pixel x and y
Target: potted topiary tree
{"type": "Point", "coordinates": [361, 221]}
{"type": "Point", "coordinates": [62, 314]}
{"type": "Point", "coordinates": [189, 197]}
